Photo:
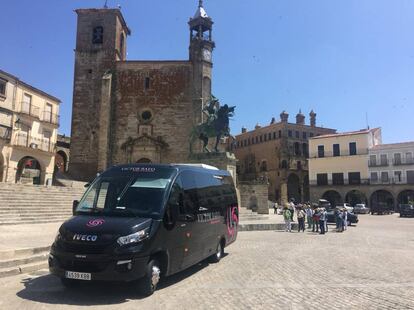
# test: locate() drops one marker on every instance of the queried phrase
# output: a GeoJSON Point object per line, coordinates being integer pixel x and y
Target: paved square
{"type": "Point", "coordinates": [370, 266]}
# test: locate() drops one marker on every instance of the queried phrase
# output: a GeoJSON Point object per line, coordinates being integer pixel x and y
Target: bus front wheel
{"type": "Point", "coordinates": [148, 284]}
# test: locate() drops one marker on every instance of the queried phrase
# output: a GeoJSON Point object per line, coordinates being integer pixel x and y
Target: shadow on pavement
{"type": "Point", "coordinates": [48, 289]}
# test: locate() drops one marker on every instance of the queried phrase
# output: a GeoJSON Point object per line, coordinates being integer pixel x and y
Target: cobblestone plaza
{"type": "Point", "coordinates": [370, 266]}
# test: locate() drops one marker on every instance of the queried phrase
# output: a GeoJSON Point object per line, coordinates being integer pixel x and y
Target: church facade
{"type": "Point", "coordinates": [134, 111]}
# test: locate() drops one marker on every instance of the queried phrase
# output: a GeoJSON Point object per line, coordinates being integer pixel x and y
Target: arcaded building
{"type": "Point", "coordinates": [127, 111]}
{"type": "Point", "coordinates": [355, 167]}
{"type": "Point", "coordinates": [278, 154]}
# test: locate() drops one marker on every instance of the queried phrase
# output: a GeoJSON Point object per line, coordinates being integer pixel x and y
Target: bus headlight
{"type": "Point", "coordinates": [134, 238]}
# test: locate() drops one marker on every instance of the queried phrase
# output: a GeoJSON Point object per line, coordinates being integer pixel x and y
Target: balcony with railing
{"type": "Point", "coordinates": [29, 109]}
{"type": "Point", "coordinates": [50, 117]}
{"type": "Point", "coordinates": [346, 182]}
{"type": "Point", "coordinates": [330, 153]}
{"type": "Point", "coordinates": [380, 163]}
{"type": "Point", "coordinates": [403, 161]}
{"type": "Point", "coordinates": [27, 141]}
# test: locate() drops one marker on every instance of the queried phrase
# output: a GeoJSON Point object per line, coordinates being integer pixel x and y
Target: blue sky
{"type": "Point", "coordinates": [345, 59]}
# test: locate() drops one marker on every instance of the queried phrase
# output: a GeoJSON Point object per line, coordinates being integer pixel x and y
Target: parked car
{"type": "Point", "coordinates": [361, 208]}
{"type": "Point", "coordinates": [323, 203]}
{"type": "Point", "coordinates": [381, 208]}
{"type": "Point", "coordinates": [346, 205]}
{"type": "Point", "coordinates": [352, 218]}
{"type": "Point", "coordinates": [406, 210]}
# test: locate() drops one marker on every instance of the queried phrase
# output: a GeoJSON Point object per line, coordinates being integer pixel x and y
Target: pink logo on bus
{"type": "Point", "coordinates": [95, 222]}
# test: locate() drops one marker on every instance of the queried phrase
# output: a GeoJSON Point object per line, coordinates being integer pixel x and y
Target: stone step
{"type": "Point", "coordinates": [36, 211]}
{"type": "Point", "coordinates": [15, 262]}
{"type": "Point", "coordinates": [21, 222]}
{"type": "Point", "coordinates": [13, 271]}
{"type": "Point", "coordinates": [264, 226]}
{"type": "Point", "coordinates": [9, 254]}
{"type": "Point", "coordinates": [253, 218]}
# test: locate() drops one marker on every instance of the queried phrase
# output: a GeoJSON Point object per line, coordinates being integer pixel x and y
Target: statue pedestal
{"type": "Point", "coordinates": [223, 161]}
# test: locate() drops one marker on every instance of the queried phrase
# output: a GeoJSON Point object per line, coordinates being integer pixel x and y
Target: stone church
{"type": "Point", "coordinates": [128, 111]}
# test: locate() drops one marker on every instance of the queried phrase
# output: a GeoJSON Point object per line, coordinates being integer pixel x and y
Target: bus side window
{"type": "Point", "coordinates": [189, 206]}
{"type": "Point", "coordinates": [175, 201]}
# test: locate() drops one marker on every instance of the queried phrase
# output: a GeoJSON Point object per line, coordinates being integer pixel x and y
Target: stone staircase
{"type": "Point", "coordinates": [15, 262]}
{"type": "Point", "coordinates": [28, 204]}
{"type": "Point", "coordinates": [246, 215]}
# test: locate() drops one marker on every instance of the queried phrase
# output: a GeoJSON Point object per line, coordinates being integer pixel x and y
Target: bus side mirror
{"type": "Point", "coordinates": [87, 185]}
{"type": "Point", "coordinates": [74, 206]}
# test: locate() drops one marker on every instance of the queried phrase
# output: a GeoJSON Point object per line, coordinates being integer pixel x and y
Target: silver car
{"type": "Point", "coordinates": [361, 208]}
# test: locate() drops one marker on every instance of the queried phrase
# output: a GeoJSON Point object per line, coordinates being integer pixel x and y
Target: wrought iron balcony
{"type": "Point", "coordinates": [29, 109]}
{"type": "Point", "coordinates": [50, 117]}
{"type": "Point", "coordinates": [382, 163]}
{"type": "Point", "coordinates": [403, 161]}
{"type": "Point", "coordinates": [25, 140]}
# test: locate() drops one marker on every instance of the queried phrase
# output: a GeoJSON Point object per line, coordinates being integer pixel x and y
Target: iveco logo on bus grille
{"type": "Point", "coordinates": [80, 237]}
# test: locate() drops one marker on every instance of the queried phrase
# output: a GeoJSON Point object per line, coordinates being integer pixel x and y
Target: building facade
{"type": "Point", "coordinates": [29, 120]}
{"type": "Point", "coordinates": [134, 111]}
{"type": "Point", "coordinates": [355, 167]}
{"type": "Point", "coordinates": [391, 171]}
{"type": "Point", "coordinates": [278, 154]}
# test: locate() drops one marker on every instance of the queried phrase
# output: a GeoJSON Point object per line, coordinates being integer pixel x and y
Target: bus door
{"type": "Point", "coordinates": [187, 220]}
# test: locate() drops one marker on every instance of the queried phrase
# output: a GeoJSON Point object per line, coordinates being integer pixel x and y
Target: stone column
{"type": "Point", "coordinates": [284, 193]}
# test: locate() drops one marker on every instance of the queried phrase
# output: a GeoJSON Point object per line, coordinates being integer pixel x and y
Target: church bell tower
{"type": "Point", "coordinates": [201, 50]}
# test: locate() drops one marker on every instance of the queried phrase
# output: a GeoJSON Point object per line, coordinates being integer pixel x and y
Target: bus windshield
{"type": "Point", "coordinates": [127, 194]}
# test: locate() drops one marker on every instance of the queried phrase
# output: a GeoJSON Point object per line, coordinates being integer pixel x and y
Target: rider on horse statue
{"type": "Point", "coordinates": [217, 124]}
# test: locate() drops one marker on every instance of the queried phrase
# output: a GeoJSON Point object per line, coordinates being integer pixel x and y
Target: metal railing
{"type": "Point", "coordinates": [345, 183]}
{"type": "Point", "coordinates": [328, 153]}
{"type": "Point", "coordinates": [25, 140]}
{"type": "Point", "coordinates": [403, 161]}
{"type": "Point", "coordinates": [50, 117]}
{"type": "Point", "coordinates": [29, 109]}
{"type": "Point", "coordinates": [382, 163]}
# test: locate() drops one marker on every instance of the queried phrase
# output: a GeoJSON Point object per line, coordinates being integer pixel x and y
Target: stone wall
{"type": "Point", "coordinates": [254, 196]}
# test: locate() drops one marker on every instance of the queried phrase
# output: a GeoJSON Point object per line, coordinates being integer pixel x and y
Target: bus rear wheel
{"type": "Point", "coordinates": [216, 257]}
{"type": "Point", "coordinates": [148, 284]}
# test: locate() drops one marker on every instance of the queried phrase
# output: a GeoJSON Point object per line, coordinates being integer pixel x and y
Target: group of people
{"type": "Point", "coordinates": [315, 216]}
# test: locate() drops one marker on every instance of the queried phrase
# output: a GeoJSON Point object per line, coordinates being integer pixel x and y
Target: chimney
{"type": "Point", "coordinates": [244, 129]}
{"type": "Point", "coordinates": [312, 118]}
{"type": "Point", "coordinates": [300, 118]}
{"type": "Point", "coordinates": [284, 117]}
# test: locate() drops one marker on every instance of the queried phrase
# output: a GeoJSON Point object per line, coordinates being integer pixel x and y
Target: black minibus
{"type": "Point", "coordinates": [143, 221]}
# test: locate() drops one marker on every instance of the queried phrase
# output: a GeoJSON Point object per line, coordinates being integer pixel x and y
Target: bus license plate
{"type": "Point", "coordinates": [78, 275]}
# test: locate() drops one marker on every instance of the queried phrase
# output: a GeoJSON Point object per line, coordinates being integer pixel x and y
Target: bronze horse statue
{"type": "Point", "coordinates": [217, 125]}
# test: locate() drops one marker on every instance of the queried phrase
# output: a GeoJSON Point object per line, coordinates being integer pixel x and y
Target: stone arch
{"type": "Point", "coordinates": [294, 188]}
{"type": "Point", "coordinates": [405, 196]}
{"type": "Point", "coordinates": [333, 197]}
{"type": "Point", "coordinates": [382, 197]}
{"type": "Point", "coordinates": [144, 161]}
{"type": "Point", "coordinates": [29, 170]}
{"type": "Point", "coordinates": [355, 196]}
{"type": "Point", "coordinates": [61, 161]}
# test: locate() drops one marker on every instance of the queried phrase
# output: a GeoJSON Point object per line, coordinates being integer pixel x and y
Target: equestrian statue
{"type": "Point", "coordinates": [216, 125]}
